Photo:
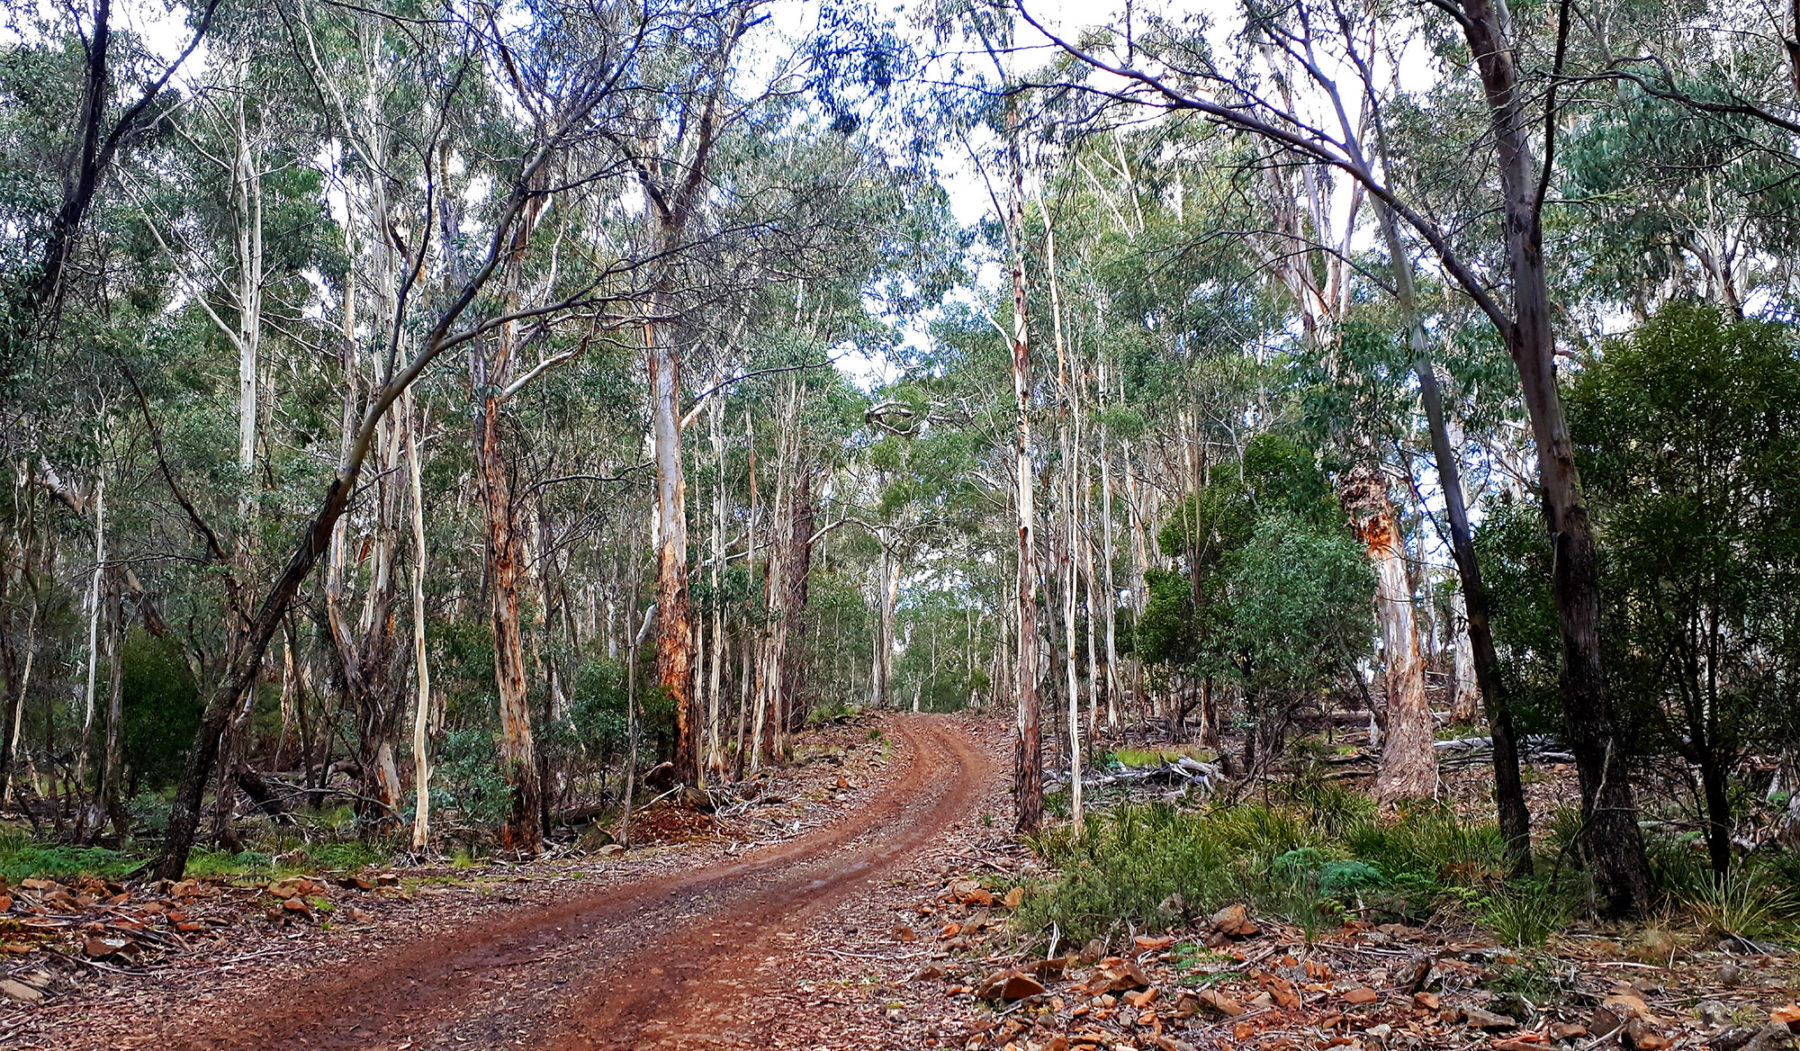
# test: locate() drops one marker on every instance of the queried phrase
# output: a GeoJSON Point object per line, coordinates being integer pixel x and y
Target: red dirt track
{"type": "Point", "coordinates": [662, 963]}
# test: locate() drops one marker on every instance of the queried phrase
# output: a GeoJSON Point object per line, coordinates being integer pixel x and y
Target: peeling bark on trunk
{"type": "Point", "coordinates": [421, 830]}
{"type": "Point", "coordinates": [1408, 766]}
{"type": "Point", "coordinates": [1465, 694]}
{"type": "Point", "coordinates": [675, 634]}
{"type": "Point", "coordinates": [518, 761]}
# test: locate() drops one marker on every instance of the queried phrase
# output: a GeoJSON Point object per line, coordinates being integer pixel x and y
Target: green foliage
{"type": "Point", "coordinates": [1524, 914]}
{"type": "Point", "coordinates": [1299, 605]}
{"type": "Point", "coordinates": [205, 863]}
{"type": "Point", "coordinates": [1156, 866]}
{"type": "Point", "coordinates": [1275, 591]}
{"type": "Point", "coordinates": [162, 708]}
{"type": "Point", "coordinates": [469, 779]}
{"type": "Point", "coordinates": [22, 857]}
{"type": "Point", "coordinates": [1688, 433]}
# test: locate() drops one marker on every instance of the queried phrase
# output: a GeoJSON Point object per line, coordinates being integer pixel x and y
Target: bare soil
{"type": "Point", "coordinates": [708, 945]}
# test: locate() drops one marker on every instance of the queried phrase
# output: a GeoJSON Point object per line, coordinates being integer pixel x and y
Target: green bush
{"type": "Point", "coordinates": [468, 777]}
{"type": "Point", "coordinates": [162, 709]}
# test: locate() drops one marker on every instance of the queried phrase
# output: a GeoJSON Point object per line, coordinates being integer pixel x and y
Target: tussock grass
{"type": "Point", "coordinates": [1312, 855]}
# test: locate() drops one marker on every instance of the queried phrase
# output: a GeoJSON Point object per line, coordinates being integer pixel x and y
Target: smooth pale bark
{"type": "Point", "coordinates": [1028, 757]}
{"type": "Point", "coordinates": [112, 800]}
{"type": "Point", "coordinates": [1069, 428]}
{"type": "Point", "coordinates": [366, 648]}
{"type": "Point", "coordinates": [715, 749]}
{"type": "Point", "coordinates": [246, 184]}
{"type": "Point", "coordinates": [421, 829]}
{"type": "Point", "coordinates": [1108, 556]}
{"type": "Point", "coordinates": [1465, 692]}
{"type": "Point", "coordinates": [94, 609]}
{"type": "Point", "coordinates": [247, 645]}
{"type": "Point", "coordinates": [1408, 763]}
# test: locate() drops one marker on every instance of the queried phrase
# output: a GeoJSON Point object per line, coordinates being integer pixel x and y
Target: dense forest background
{"type": "Point", "coordinates": [421, 409]}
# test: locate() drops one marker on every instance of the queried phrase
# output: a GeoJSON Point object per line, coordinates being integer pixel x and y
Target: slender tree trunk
{"type": "Point", "coordinates": [1108, 555]}
{"type": "Point", "coordinates": [112, 801]}
{"type": "Point", "coordinates": [715, 751]}
{"type": "Point", "coordinates": [1608, 807]}
{"type": "Point", "coordinates": [95, 600]}
{"type": "Point", "coordinates": [1028, 765]}
{"type": "Point", "coordinates": [421, 741]}
{"type": "Point", "coordinates": [1509, 787]}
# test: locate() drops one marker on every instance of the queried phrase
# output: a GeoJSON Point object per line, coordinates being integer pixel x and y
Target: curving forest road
{"type": "Point", "coordinates": [659, 963]}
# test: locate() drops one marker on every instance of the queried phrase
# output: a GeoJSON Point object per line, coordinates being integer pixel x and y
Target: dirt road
{"type": "Point", "coordinates": [664, 963]}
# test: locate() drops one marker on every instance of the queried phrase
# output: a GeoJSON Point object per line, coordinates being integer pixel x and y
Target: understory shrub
{"type": "Point", "coordinates": [1311, 859]}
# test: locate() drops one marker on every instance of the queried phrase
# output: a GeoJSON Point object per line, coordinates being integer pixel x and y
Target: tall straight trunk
{"type": "Point", "coordinates": [518, 760]}
{"type": "Point", "coordinates": [1140, 567]}
{"type": "Point", "coordinates": [1108, 556]}
{"type": "Point", "coordinates": [1028, 758]}
{"type": "Point", "coordinates": [675, 635]}
{"type": "Point", "coordinates": [95, 600]}
{"type": "Point", "coordinates": [112, 800]}
{"type": "Point", "coordinates": [1408, 764]}
{"type": "Point", "coordinates": [1093, 589]}
{"type": "Point", "coordinates": [1621, 865]}
{"type": "Point", "coordinates": [715, 749]}
{"type": "Point", "coordinates": [796, 564]}
{"type": "Point", "coordinates": [421, 740]}
{"type": "Point", "coordinates": [1068, 493]}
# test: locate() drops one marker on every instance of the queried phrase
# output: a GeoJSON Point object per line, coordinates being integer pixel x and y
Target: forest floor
{"type": "Point", "coordinates": [752, 931]}
{"type": "Point", "coordinates": [862, 905]}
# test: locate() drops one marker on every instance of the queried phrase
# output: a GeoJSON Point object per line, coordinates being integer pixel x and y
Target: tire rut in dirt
{"type": "Point", "coordinates": [692, 996]}
{"type": "Point", "coordinates": [631, 967]}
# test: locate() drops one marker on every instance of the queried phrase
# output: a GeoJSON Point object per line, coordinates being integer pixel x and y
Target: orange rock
{"type": "Point", "coordinates": [1233, 921]}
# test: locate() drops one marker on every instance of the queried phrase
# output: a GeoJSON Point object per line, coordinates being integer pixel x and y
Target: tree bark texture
{"type": "Point", "coordinates": [1408, 764]}
{"type": "Point", "coordinates": [1616, 844]}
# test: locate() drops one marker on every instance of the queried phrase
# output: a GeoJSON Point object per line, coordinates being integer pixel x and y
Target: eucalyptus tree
{"type": "Point", "coordinates": [1173, 69]}
{"type": "Point", "coordinates": [577, 109]}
